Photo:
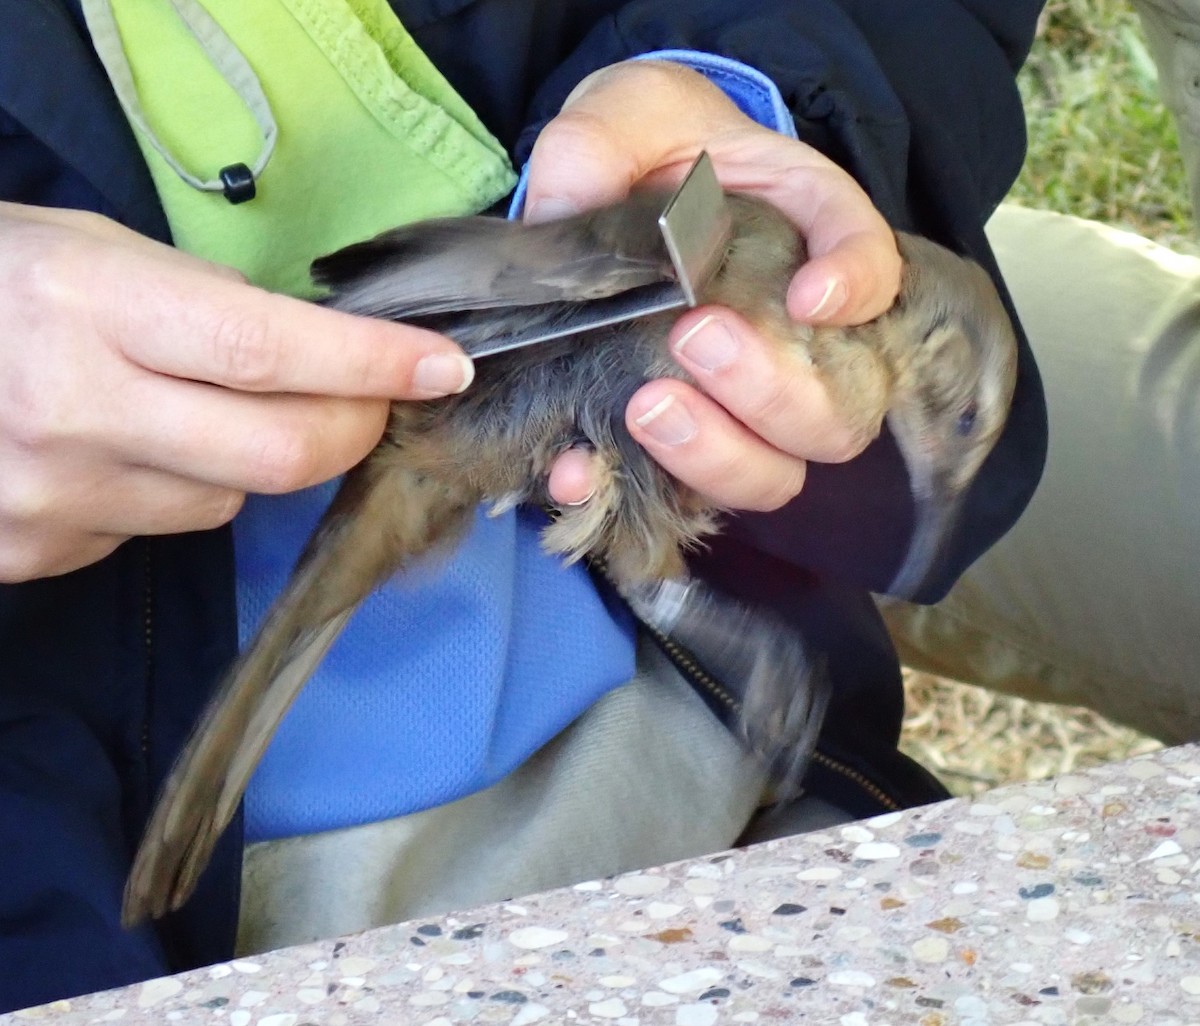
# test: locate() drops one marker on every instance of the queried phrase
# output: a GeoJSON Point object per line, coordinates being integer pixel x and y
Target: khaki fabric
{"type": "Point", "coordinates": [648, 775]}
{"type": "Point", "coordinates": [1094, 597]}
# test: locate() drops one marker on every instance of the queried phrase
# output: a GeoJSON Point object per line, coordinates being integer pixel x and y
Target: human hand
{"type": "Point", "coordinates": [743, 438]}
{"type": "Point", "coordinates": [145, 391]}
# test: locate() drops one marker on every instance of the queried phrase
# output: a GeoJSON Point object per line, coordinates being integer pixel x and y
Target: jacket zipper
{"type": "Point", "coordinates": [853, 775]}
{"type": "Point", "coordinates": [148, 653]}
{"type": "Point", "coordinates": [701, 679]}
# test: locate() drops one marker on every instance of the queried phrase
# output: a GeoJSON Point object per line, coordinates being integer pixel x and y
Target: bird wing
{"type": "Point", "coordinates": [473, 263]}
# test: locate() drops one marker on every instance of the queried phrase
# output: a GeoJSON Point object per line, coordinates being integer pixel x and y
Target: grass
{"type": "Point", "coordinates": [1101, 146]}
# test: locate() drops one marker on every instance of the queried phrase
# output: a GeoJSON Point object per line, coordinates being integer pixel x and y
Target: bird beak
{"type": "Point", "coordinates": [936, 502]}
{"type": "Point", "coordinates": [935, 518]}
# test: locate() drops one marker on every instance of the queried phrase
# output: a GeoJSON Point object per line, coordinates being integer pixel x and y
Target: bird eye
{"type": "Point", "coordinates": [966, 420]}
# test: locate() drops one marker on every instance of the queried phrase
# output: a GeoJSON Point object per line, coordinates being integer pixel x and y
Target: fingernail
{"type": "Point", "coordinates": [550, 208]}
{"type": "Point", "coordinates": [443, 374]}
{"type": "Point", "coordinates": [831, 301]}
{"type": "Point", "coordinates": [709, 344]}
{"type": "Point", "coordinates": [668, 422]}
{"type": "Point", "coordinates": [582, 502]}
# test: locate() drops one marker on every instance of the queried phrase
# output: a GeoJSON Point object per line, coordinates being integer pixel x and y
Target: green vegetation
{"type": "Point", "coordinates": [1101, 144]}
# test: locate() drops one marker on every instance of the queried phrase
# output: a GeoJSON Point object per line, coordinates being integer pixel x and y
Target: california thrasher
{"type": "Point", "coordinates": [940, 365]}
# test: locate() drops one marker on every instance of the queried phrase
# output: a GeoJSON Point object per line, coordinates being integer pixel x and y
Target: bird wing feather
{"type": "Point", "coordinates": [473, 263]}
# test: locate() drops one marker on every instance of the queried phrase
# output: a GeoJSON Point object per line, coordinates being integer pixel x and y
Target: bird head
{"type": "Point", "coordinates": [955, 377]}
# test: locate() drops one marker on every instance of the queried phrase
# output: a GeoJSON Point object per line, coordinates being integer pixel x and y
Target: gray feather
{"type": "Point", "coordinates": [476, 263]}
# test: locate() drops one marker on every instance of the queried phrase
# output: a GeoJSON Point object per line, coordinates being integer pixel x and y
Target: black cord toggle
{"type": "Point", "coordinates": [238, 180]}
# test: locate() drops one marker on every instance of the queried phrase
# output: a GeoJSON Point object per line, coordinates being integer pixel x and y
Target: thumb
{"type": "Point", "coordinates": [576, 165]}
{"type": "Point", "coordinates": [622, 124]}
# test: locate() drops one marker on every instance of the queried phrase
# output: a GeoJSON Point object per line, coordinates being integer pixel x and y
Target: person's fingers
{"type": "Point", "coordinates": [86, 226]}
{"type": "Point", "coordinates": [571, 482]}
{"type": "Point", "coordinates": [31, 553]}
{"type": "Point", "coordinates": [769, 385]}
{"type": "Point", "coordinates": [854, 280]}
{"type": "Point", "coordinates": [636, 122]}
{"type": "Point", "coordinates": [645, 121]}
{"type": "Point", "coordinates": [87, 497]}
{"type": "Point", "coordinates": [248, 443]}
{"type": "Point", "coordinates": [227, 333]}
{"type": "Point", "coordinates": [852, 273]}
{"type": "Point", "coordinates": [150, 501]}
{"type": "Point", "coordinates": [174, 314]}
{"type": "Point", "coordinates": [702, 445]}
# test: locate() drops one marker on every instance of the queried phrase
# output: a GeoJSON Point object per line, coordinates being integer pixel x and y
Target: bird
{"type": "Point", "coordinates": [939, 365]}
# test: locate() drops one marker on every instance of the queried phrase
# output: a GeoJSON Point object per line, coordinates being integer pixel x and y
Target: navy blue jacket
{"type": "Point", "coordinates": [103, 671]}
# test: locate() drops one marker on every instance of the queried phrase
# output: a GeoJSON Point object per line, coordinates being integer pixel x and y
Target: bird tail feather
{"type": "Point", "coordinates": [353, 550]}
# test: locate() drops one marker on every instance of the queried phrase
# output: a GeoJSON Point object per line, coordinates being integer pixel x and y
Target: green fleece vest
{"type": "Point", "coordinates": [347, 126]}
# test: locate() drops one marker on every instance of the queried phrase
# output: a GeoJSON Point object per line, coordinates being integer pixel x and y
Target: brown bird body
{"type": "Point", "coordinates": [940, 365]}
